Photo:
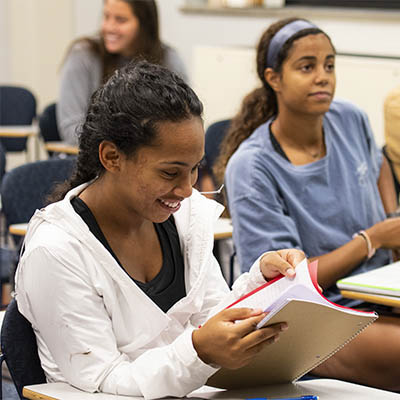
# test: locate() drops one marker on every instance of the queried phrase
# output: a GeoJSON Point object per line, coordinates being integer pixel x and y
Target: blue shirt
{"type": "Point", "coordinates": [315, 207]}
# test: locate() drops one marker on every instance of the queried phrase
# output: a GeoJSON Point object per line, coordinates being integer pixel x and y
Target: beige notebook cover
{"type": "Point", "coordinates": [317, 329]}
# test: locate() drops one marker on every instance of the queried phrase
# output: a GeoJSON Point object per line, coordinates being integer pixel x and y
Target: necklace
{"type": "Point", "coordinates": [316, 153]}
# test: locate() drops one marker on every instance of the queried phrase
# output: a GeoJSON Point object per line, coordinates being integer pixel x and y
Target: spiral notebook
{"type": "Point", "coordinates": [318, 328]}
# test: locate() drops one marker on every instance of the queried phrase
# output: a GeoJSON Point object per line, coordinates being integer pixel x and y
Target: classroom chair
{"type": "Point", "coordinates": [19, 350]}
{"type": "Point", "coordinates": [214, 136]}
{"type": "Point", "coordinates": [17, 107]}
{"type": "Point", "coordinates": [24, 189]}
{"type": "Point", "coordinates": [48, 125]}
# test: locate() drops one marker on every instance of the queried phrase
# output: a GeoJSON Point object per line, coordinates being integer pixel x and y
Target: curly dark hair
{"type": "Point", "coordinates": [126, 111]}
{"type": "Point", "coordinates": [260, 104]}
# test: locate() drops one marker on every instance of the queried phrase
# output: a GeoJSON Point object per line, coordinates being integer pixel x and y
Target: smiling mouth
{"type": "Point", "coordinates": [170, 205]}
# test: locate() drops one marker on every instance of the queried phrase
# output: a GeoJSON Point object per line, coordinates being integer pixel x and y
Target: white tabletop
{"type": "Point", "coordinates": [223, 228]}
{"type": "Point", "coordinates": [19, 130]}
{"type": "Point", "coordinates": [326, 389]}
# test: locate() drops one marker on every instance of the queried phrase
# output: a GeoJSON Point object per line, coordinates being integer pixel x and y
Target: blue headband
{"type": "Point", "coordinates": [282, 36]}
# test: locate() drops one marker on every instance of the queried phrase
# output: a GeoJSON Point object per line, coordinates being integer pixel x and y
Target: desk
{"type": "Point", "coordinates": [326, 389]}
{"type": "Point", "coordinates": [18, 131]}
{"type": "Point", "coordinates": [391, 301]}
{"type": "Point", "coordinates": [222, 229]}
{"type": "Point", "coordinates": [18, 229]}
{"type": "Point", "coordinates": [21, 131]}
{"type": "Point", "coordinates": [61, 147]}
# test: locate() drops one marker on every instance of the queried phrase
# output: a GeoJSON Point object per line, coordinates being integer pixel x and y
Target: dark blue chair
{"type": "Point", "coordinates": [215, 134]}
{"type": "Point", "coordinates": [48, 125]}
{"type": "Point", "coordinates": [17, 107]}
{"type": "Point", "coordinates": [19, 350]}
{"type": "Point", "coordinates": [25, 189]}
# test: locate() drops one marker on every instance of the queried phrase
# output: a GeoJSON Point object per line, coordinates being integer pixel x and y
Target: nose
{"type": "Point", "coordinates": [322, 77]}
{"type": "Point", "coordinates": [108, 25]}
{"type": "Point", "coordinates": [184, 188]}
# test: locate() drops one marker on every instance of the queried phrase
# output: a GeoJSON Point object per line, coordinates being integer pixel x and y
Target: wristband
{"type": "Point", "coordinates": [393, 214]}
{"type": "Point", "coordinates": [371, 250]}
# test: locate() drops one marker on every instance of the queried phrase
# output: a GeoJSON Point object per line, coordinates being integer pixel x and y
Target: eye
{"type": "Point", "coordinates": [306, 67]}
{"type": "Point", "coordinates": [169, 175]}
{"type": "Point", "coordinates": [330, 67]}
{"type": "Point", "coordinates": [121, 20]}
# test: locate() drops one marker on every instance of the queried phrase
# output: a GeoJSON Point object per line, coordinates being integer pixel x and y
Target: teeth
{"type": "Point", "coordinates": [169, 204]}
{"type": "Point", "coordinates": [111, 38]}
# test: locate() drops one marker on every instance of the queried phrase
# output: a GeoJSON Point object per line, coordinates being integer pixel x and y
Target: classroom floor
{"type": "Point", "coordinates": [9, 392]}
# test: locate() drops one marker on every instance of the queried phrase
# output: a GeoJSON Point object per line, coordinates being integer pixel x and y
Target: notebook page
{"type": "Point", "coordinates": [268, 295]}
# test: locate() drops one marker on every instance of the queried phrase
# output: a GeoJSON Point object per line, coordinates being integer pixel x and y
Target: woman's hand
{"type": "Point", "coordinates": [280, 262]}
{"type": "Point", "coordinates": [385, 234]}
{"type": "Point", "coordinates": [230, 344]}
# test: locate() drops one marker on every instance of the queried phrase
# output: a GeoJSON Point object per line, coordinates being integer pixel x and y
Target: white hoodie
{"type": "Point", "coordinates": [95, 327]}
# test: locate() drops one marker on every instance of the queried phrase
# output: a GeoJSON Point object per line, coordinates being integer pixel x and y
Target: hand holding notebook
{"type": "Point", "coordinates": [317, 329]}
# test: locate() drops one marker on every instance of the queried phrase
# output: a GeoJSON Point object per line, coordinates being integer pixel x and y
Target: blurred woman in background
{"type": "Point", "coordinates": [129, 30]}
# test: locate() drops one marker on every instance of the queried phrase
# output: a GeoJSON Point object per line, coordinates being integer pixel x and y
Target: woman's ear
{"type": "Point", "coordinates": [110, 156]}
{"type": "Point", "coordinates": [273, 79]}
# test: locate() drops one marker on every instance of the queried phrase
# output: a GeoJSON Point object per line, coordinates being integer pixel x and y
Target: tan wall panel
{"type": "Point", "coordinates": [39, 34]}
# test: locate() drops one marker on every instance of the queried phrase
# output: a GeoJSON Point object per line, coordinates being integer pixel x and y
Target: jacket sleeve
{"type": "Point", "coordinates": [68, 312]}
{"type": "Point", "coordinates": [80, 77]}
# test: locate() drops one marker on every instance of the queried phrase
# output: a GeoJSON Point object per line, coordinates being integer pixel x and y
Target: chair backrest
{"type": "Point", "coordinates": [214, 135]}
{"type": "Point", "coordinates": [19, 348]}
{"type": "Point", "coordinates": [48, 124]}
{"type": "Point", "coordinates": [2, 162]}
{"type": "Point", "coordinates": [17, 107]}
{"type": "Point", "coordinates": [25, 188]}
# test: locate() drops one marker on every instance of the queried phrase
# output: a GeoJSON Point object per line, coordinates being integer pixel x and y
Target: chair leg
{"type": "Point", "coordinates": [1, 376]}
{"type": "Point", "coordinates": [232, 269]}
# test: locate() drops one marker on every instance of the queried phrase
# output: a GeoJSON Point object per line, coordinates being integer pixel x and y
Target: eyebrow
{"type": "Point", "coordinates": [180, 163]}
{"type": "Point", "coordinates": [313, 57]}
{"type": "Point", "coordinates": [175, 163]}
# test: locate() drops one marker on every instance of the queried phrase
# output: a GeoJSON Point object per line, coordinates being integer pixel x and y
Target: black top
{"type": "Point", "coordinates": [276, 145]}
{"type": "Point", "coordinates": [168, 286]}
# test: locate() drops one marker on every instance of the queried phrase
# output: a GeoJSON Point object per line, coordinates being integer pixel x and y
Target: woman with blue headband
{"type": "Point", "coordinates": [302, 170]}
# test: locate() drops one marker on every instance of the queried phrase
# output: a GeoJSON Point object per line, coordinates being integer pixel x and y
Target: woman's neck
{"type": "Point", "coordinates": [303, 130]}
{"type": "Point", "coordinates": [99, 197]}
{"type": "Point", "coordinates": [301, 138]}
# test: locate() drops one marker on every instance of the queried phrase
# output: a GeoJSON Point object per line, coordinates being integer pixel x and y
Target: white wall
{"type": "Point", "coordinates": [86, 16]}
{"type": "Point", "coordinates": [34, 35]}
{"type": "Point", "coordinates": [4, 51]}
{"type": "Point", "coordinates": [38, 32]}
{"type": "Point", "coordinates": [373, 35]}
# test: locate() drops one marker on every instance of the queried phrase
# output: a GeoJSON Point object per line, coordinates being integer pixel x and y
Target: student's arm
{"type": "Point", "coordinates": [386, 187]}
{"type": "Point", "coordinates": [80, 76]}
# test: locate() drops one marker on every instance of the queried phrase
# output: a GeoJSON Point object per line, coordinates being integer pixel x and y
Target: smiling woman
{"type": "Point", "coordinates": [129, 30]}
{"type": "Point", "coordinates": [115, 276]}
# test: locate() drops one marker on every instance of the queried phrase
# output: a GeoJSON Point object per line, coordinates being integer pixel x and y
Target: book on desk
{"type": "Point", "coordinates": [318, 328]}
{"type": "Point", "coordinates": [381, 281]}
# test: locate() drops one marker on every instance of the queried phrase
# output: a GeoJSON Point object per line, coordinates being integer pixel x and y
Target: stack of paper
{"type": "Point", "coordinates": [384, 281]}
